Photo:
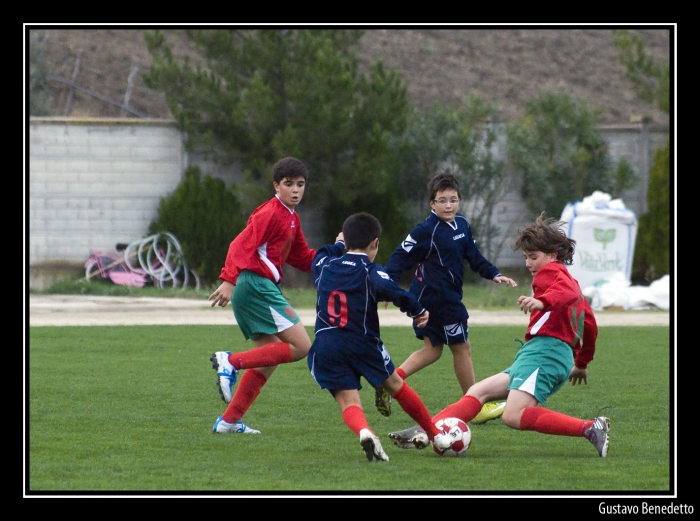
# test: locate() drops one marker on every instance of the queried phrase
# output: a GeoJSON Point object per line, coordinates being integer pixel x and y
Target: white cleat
{"type": "Point", "coordinates": [372, 446]}
{"type": "Point", "coordinates": [221, 426]}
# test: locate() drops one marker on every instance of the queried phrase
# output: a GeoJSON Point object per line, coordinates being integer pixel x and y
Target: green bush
{"type": "Point", "coordinates": [205, 217]}
{"type": "Point", "coordinates": [561, 155]}
{"type": "Point", "coordinates": [652, 257]}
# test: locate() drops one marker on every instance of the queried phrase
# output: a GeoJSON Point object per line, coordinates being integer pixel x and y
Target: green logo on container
{"type": "Point", "coordinates": [604, 236]}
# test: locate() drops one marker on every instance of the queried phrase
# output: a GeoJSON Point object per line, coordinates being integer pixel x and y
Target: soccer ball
{"type": "Point", "coordinates": [458, 429]}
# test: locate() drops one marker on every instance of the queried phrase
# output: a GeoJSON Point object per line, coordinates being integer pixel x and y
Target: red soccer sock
{"type": "Point", "coordinates": [268, 355]}
{"type": "Point", "coordinates": [547, 421]}
{"type": "Point", "coordinates": [354, 417]}
{"type": "Point", "coordinates": [413, 405]}
{"type": "Point", "coordinates": [401, 373]}
{"type": "Point", "coordinates": [248, 390]}
{"type": "Point", "coordinates": [465, 409]}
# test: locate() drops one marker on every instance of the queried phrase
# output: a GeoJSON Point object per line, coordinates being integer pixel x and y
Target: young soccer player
{"type": "Point", "coordinates": [439, 246]}
{"type": "Point", "coordinates": [347, 344]}
{"type": "Point", "coordinates": [253, 265]}
{"type": "Point", "coordinates": [560, 342]}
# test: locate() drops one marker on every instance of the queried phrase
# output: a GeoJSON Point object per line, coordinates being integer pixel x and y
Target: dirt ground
{"type": "Point", "coordinates": [76, 310]}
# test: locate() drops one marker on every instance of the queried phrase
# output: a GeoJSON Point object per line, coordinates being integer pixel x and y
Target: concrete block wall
{"type": "Point", "coordinates": [636, 143]}
{"type": "Point", "coordinates": [93, 183]}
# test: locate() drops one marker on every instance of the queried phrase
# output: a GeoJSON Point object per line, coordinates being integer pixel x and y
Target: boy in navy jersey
{"type": "Point", "coordinates": [439, 246]}
{"type": "Point", "coordinates": [347, 344]}
{"type": "Point", "coordinates": [560, 342]}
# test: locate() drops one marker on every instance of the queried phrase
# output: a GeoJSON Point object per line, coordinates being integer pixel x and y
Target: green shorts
{"type": "Point", "coordinates": [259, 306]}
{"type": "Point", "coordinates": [541, 367]}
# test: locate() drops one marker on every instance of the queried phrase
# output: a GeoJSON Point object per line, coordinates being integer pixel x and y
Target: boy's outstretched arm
{"type": "Point", "coordinates": [529, 304]}
{"type": "Point", "coordinates": [500, 278]}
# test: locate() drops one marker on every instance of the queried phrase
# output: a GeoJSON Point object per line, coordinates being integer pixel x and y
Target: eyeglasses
{"type": "Point", "coordinates": [445, 201]}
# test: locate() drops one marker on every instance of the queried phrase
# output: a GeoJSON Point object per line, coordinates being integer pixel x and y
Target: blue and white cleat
{"type": "Point", "coordinates": [226, 374]}
{"type": "Point", "coordinates": [239, 427]}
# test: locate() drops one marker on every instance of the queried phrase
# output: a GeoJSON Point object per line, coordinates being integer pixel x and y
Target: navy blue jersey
{"type": "Point", "coordinates": [439, 249]}
{"type": "Point", "coordinates": [349, 287]}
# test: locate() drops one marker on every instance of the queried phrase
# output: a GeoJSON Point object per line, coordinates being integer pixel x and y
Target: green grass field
{"type": "Point", "coordinates": [114, 410]}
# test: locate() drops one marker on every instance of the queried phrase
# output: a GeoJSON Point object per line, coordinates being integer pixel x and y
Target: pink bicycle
{"type": "Point", "coordinates": [155, 259]}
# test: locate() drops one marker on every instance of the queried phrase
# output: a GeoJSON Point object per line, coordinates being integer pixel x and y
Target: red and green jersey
{"type": "Point", "coordinates": [566, 315]}
{"type": "Point", "coordinates": [271, 237]}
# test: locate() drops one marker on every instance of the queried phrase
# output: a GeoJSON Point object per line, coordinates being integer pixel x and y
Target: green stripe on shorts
{"type": "Point", "coordinates": [259, 306]}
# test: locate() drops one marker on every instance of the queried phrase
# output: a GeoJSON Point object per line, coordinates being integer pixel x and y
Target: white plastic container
{"type": "Point", "coordinates": [605, 233]}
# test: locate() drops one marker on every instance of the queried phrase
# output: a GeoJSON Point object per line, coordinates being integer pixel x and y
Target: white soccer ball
{"type": "Point", "coordinates": [460, 431]}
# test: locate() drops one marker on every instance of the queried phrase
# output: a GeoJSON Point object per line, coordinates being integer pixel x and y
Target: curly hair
{"type": "Point", "coordinates": [546, 235]}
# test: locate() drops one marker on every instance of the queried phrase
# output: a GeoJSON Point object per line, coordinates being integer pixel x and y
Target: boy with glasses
{"type": "Point", "coordinates": [439, 246]}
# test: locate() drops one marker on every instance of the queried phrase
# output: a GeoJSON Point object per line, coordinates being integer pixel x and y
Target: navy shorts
{"type": "Point", "coordinates": [338, 360]}
{"type": "Point", "coordinates": [457, 333]}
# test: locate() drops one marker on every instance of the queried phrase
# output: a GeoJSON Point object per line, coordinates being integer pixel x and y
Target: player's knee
{"type": "Point", "coordinates": [299, 352]}
{"type": "Point", "coordinates": [511, 419]}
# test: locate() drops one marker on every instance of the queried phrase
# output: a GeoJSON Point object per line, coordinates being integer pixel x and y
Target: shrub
{"type": "Point", "coordinates": [652, 255]}
{"type": "Point", "coordinates": [205, 217]}
{"type": "Point", "coordinates": [560, 154]}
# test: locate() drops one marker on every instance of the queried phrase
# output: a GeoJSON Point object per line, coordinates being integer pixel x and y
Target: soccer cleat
{"type": "Point", "coordinates": [404, 439]}
{"type": "Point", "coordinates": [597, 434]}
{"type": "Point", "coordinates": [420, 440]}
{"type": "Point", "coordinates": [225, 372]}
{"type": "Point", "coordinates": [382, 401]}
{"type": "Point", "coordinates": [372, 446]}
{"type": "Point", "coordinates": [239, 427]}
{"type": "Point", "coordinates": [490, 411]}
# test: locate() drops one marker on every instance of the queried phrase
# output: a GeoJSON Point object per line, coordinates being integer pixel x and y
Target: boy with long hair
{"type": "Point", "coordinates": [560, 342]}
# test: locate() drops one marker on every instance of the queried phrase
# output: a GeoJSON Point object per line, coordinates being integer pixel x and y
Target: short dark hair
{"type": "Point", "coordinates": [443, 182]}
{"type": "Point", "coordinates": [289, 168]}
{"type": "Point", "coordinates": [360, 229]}
{"type": "Point", "coordinates": [546, 235]}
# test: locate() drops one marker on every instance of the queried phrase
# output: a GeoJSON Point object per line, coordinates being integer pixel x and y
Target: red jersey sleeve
{"type": "Point", "coordinates": [300, 256]}
{"type": "Point", "coordinates": [584, 350]}
{"type": "Point", "coordinates": [271, 238]}
{"type": "Point", "coordinates": [242, 252]}
{"type": "Point", "coordinates": [566, 315]}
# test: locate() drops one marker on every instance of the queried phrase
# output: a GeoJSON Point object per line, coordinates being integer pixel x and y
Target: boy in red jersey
{"type": "Point", "coordinates": [560, 342]}
{"type": "Point", "coordinates": [253, 265]}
